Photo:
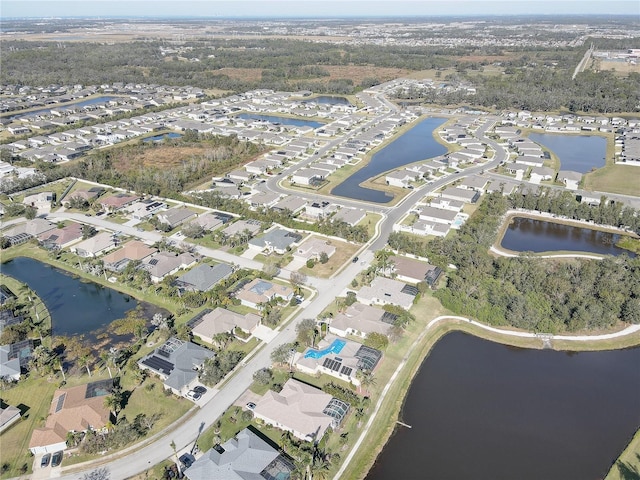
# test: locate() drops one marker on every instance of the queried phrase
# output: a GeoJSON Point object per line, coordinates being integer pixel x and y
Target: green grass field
{"type": "Point", "coordinates": [618, 178]}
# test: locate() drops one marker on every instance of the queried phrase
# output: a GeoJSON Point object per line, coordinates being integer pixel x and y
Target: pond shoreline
{"type": "Point", "coordinates": [508, 217]}
{"type": "Point", "coordinates": [389, 405]}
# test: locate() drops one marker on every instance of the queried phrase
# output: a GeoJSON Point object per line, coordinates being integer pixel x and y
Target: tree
{"type": "Point", "coordinates": [366, 379]}
{"type": "Point", "coordinates": [30, 212]}
{"type": "Point", "coordinates": [264, 376]}
{"type": "Point", "coordinates": [175, 452]}
{"type": "Point", "coordinates": [283, 353]}
{"type": "Point", "coordinates": [376, 340]}
{"type": "Point", "coordinates": [297, 279]}
{"type": "Point", "coordinates": [85, 361]}
{"type": "Point", "coordinates": [306, 330]}
{"type": "Point", "coordinates": [193, 230]}
{"type": "Point", "coordinates": [324, 257]}
{"type": "Point", "coordinates": [88, 231]}
{"type": "Point", "coordinates": [101, 473]}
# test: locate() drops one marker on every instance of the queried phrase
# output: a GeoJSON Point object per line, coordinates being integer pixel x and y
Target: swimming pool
{"type": "Point", "coordinates": [336, 347]}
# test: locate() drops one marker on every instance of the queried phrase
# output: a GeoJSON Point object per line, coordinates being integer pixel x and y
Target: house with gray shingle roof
{"type": "Point", "coordinates": [244, 457]}
{"type": "Point", "coordinates": [276, 240]}
{"type": "Point", "coordinates": [203, 277]}
{"type": "Point", "coordinates": [175, 216]}
{"type": "Point", "coordinates": [177, 363]}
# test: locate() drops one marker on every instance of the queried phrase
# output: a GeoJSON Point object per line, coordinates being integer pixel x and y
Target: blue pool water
{"type": "Point", "coordinates": [161, 137]}
{"type": "Point", "coordinates": [336, 347]}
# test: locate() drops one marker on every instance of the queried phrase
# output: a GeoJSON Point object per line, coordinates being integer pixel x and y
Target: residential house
{"type": "Point", "coordinates": [221, 320]}
{"type": "Point", "coordinates": [414, 271]}
{"type": "Point", "coordinates": [161, 264]}
{"type": "Point", "coordinates": [8, 416]}
{"type": "Point", "coordinates": [385, 291]}
{"type": "Point", "coordinates": [276, 240]}
{"type": "Point", "coordinates": [400, 178]}
{"type": "Point", "coordinates": [203, 277]}
{"type": "Point", "coordinates": [14, 359]}
{"type": "Point", "coordinates": [134, 250]}
{"type": "Point", "coordinates": [24, 232]}
{"type": "Point", "coordinates": [474, 182]}
{"type": "Point", "coordinates": [340, 358]}
{"type": "Point", "coordinates": [240, 175]}
{"type": "Point", "coordinates": [239, 227]}
{"type": "Point", "coordinates": [257, 292]}
{"type": "Point", "coordinates": [245, 457]}
{"type": "Point", "coordinates": [308, 176]}
{"type": "Point", "coordinates": [145, 209]}
{"type": "Point", "coordinates": [351, 216]}
{"type": "Point", "coordinates": [263, 199]}
{"type": "Point", "coordinates": [437, 215]}
{"type": "Point", "coordinates": [95, 246]}
{"type": "Point", "coordinates": [117, 201]}
{"type": "Point", "coordinates": [319, 210]}
{"type": "Point", "coordinates": [305, 411]}
{"type": "Point", "coordinates": [290, 203]}
{"type": "Point", "coordinates": [539, 174]}
{"type": "Point", "coordinates": [313, 248]}
{"type": "Point", "coordinates": [360, 319]}
{"type": "Point", "coordinates": [39, 200]}
{"type": "Point", "coordinates": [86, 194]}
{"type": "Point", "coordinates": [208, 221]}
{"type": "Point", "coordinates": [570, 179]}
{"type": "Point", "coordinates": [59, 238]}
{"type": "Point", "coordinates": [177, 363]}
{"type": "Point", "coordinates": [461, 194]}
{"type": "Point", "coordinates": [75, 409]}
{"type": "Point", "coordinates": [175, 216]}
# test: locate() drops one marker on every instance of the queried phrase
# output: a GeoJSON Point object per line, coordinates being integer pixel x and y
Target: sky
{"type": "Point", "coordinates": [309, 8]}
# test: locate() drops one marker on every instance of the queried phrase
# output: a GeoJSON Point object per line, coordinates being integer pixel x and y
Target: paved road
{"type": "Point", "coordinates": [185, 433]}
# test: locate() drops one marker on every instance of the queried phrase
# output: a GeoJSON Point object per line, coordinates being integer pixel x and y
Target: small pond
{"type": "Point", "coordinates": [296, 122]}
{"type": "Point", "coordinates": [533, 235]}
{"type": "Point", "coordinates": [414, 145]}
{"type": "Point", "coordinates": [481, 410]}
{"type": "Point", "coordinates": [330, 100]}
{"type": "Point", "coordinates": [162, 136]}
{"type": "Point", "coordinates": [76, 307]}
{"type": "Point", "coordinates": [578, 153]}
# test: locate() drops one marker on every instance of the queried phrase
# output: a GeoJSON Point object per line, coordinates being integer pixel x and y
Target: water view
{"type": "Point", "coordinates": [76, 307]}
{"type": "Point", "coordinates": [162, 136]}
{"type": "Point", "coordinates": [415, 145]}
{"type": "Point", "coordinates": [84, 103]}
{"type": "Point", "coordinates": [479, 409]}
{"type": "Point", "coordinates": [329, 100]}
{"type": "Point", "coordinates": [533, 235]}
{"type": "Point", "coordinates": [578, 153]}
{"type": "Point", "coordinates": [296, 122]}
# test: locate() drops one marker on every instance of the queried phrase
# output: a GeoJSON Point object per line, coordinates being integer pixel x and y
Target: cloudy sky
{"type": "Point", "coordinates": [308, 8]}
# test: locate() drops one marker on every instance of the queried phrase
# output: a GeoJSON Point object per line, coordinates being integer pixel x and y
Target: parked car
{"type": "Point", "coordinates": [355, 259]}
{"type": "Point", "coordinates": [187, 459]}
{"type": "Point", "coordinates": [251, 405]}
{"type": "Point", "coordinates": [191, 395]}
{"type": "Point", "coordinates": [46, 458]}
{"type": "Point", "coordinates": [200, 389]}
{"type": "Point", "coordinates": [56, 459]}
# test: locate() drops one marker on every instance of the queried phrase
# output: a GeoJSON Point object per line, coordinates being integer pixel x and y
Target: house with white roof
{"type": "Point", "coordinates": [385, 291]}
{"type": "Point", "coordinates": [95, 246]}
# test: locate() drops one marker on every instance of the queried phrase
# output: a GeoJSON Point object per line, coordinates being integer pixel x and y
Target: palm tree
{"type": "Point", "coordinates": [366, 379]}
{"type": "Point", "coordinates": [57, 363]}
{"type": "Point", "coordinates": [84, 361]}
{"type": "Point", "coordinates": [106, 360]}
{"type": "Point", "coordinates": [175, 452]}
{"type": "Point", "coordinates": [112, 402]}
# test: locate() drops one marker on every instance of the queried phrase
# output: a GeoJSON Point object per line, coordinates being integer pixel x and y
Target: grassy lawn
{"type": "Point", "coordinates": [370, 221]}
{"type": "Point", "coordinates": [344, 251]}
{"type": "Point", "coordinates": [618, 178]}
{"type": "Point", "coordinates": [33, 397]}
{"type": "Point", "coordinates": [627, 467]}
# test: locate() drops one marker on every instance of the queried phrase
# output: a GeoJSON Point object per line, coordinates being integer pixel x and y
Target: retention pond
{"type": "Point", "coordinates": [483, 410]}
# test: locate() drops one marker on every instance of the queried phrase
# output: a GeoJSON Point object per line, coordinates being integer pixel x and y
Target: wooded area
{"type": "Point", "coordinates": [526, 292]}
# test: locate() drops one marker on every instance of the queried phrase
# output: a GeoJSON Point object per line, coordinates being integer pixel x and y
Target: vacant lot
{"type": "Point", "coordinates": [616, 178]}
{"type": "Point", "coordinates": [161, 157]}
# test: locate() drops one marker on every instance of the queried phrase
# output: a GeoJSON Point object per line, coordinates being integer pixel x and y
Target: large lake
{"type": "Point", "coordinates": [414, 145]}
{"type": "Point", "coordinates": [578, 153]}
{"type": "Point", "coordinates": [481, 410]}
{"type": "Point", "coordinates": [533, 235]}
{"type": "Point", "coordinates": [76, 307]}
{"type": "Point", "coordinates": [296, 122]}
